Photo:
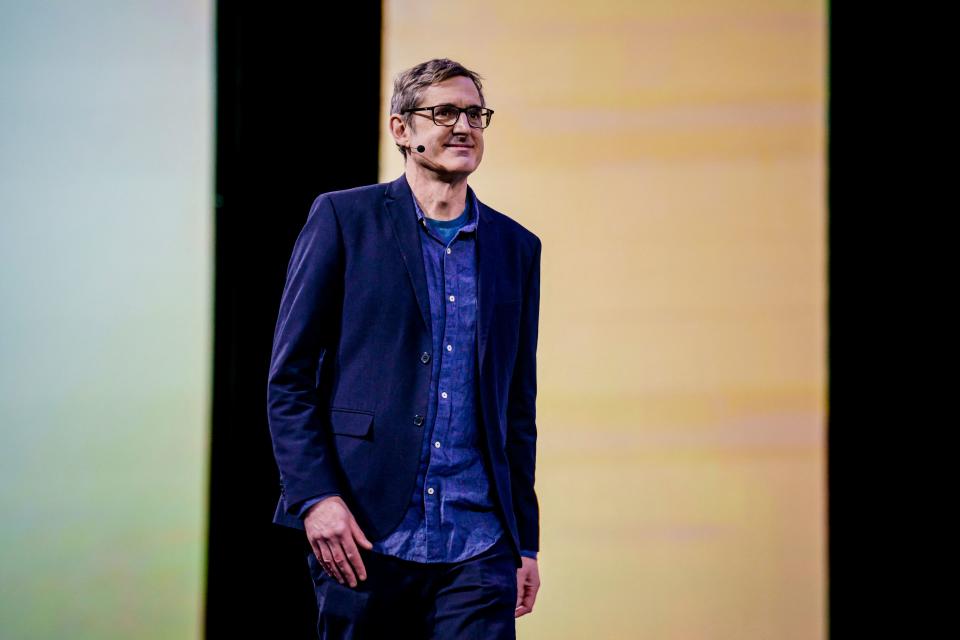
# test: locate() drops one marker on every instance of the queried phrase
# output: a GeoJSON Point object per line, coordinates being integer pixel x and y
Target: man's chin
{"type": "Point", "coordinates": [453, 168]}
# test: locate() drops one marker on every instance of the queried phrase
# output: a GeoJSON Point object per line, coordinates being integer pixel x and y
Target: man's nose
{"type": "Point", "coordinates": [461, 125]}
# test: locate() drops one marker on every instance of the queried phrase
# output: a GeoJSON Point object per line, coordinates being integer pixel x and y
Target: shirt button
{"type": "Point", "coordinates": [448, 250]}
{"type": "Point", "coordinates": [449, 347]}
{"type": "Point", "coordinates": [418, 419]}
{"type": "Point", "coordinates": [452, 298]}
{"type": "Point", "coordinates": [443, 394]}
{"type": "Point", "coordinates": [424, 357]}
{"type": "Point", "coordinates": [437, 444]}
{"type": "Point", "coordinates": [430, 490]}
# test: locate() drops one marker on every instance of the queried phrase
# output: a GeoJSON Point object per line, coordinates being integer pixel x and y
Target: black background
{"type": "Point", "coordinates": [297, 108]}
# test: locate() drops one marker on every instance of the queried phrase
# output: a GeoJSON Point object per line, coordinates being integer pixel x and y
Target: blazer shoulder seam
{"type": "Point", "coordinates": [503, 218]}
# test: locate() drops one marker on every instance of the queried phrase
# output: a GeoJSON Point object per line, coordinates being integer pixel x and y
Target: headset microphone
{"type": "Point", "coordinates": [429, 163]}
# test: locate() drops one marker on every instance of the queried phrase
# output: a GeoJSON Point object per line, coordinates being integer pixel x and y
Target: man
{"type": "Point", "coordinates": [403, 384]}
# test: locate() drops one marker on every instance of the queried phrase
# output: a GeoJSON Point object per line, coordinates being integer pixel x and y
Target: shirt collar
{"type": "Point", "coordinates": [473, 211]}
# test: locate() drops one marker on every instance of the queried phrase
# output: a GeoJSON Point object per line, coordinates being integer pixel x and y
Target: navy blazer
{"type": "Point", "coordinates": [350, 374]}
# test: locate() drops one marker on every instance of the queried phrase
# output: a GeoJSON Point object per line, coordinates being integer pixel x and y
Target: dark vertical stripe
{"type": "Point", "coordinates": [297, 114]}
{"type": "Point", "coordinates": [884, 223]}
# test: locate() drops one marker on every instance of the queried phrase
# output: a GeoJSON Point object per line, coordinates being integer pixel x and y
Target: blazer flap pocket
{"type": "Point", "coordinates": [351, 423]}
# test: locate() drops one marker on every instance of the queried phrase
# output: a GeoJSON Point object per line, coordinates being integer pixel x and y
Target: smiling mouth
{"type": "Point", "coordinates": [460, 146]}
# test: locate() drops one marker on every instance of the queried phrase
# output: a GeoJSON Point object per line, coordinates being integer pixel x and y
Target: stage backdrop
{"type": "Point", "coordinates": [105, 258]}
{"type": "Point", "coordinates": [671, 157]}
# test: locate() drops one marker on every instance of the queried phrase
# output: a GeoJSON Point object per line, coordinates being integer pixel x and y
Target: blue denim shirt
{"type": "Point", "coordinates": [451, 516]}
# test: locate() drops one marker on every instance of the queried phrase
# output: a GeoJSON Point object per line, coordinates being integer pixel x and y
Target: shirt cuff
{"type": "Point", "coordinates": [529, 554]}
{"type": "Point", "coordinates": [309, 502]}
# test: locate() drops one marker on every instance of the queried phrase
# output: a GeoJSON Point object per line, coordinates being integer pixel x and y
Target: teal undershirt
{"type": "Point", "coordinates": [446, 229]}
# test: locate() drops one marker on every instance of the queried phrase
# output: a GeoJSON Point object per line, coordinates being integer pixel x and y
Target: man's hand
{"type": "Point", "coordinates": [333, 534]}
{"type": "Point", "coordinates": [528, 583]}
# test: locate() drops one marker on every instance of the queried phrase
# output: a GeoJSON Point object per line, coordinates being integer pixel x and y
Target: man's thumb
{"type": "Point", "coordinates": [359, 536]}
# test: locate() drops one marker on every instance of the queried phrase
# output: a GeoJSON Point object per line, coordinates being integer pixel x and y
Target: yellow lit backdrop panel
{"type": "Point", "coordinates": [670, 156]}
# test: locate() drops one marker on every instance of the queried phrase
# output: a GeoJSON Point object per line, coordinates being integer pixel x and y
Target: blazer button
{"type": "Point", "coordinates": [418, 419]}
{"type": "Point", "coordinates": [424, 357]}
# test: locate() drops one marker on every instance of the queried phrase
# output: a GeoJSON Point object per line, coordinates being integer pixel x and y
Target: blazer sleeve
{"type": "Point", "coordinates": [521, 414]}
{"type": "Point", "coordinates": [307, 325]}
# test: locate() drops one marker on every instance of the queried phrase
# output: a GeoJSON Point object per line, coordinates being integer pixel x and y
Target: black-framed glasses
{"type": "Point", "coordinates": [446, 115]}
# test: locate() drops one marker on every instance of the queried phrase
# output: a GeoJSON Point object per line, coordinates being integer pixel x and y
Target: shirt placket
{"type": "Point", "coordinates": [450, 343]}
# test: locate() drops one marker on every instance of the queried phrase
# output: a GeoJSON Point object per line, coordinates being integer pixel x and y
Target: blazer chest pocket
{"type": "Point", "coordinates": [347, 422]}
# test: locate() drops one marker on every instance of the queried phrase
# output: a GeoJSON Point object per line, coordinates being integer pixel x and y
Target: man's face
{"type": "Point", "coordinates": [457, 149]}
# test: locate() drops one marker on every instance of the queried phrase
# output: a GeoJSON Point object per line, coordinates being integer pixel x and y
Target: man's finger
{"type": "Point", "coordinates": [353, 557]}
{"type": "Point", "coordinates": [525, 606]}
{"type": "Point", "coordinates": [359, 535]}
{"type": "Point", "coordinates": [332, 567]}
{"type": "Point", "coordinates": [318, 550]}
{"type": "Point", "coordinates": [328, 564]}
{"type": "Point", "coordinates": [321, 552]}
{"type": "Point", "coordinates": [529, 597]}
{"type": "Point", "coordinates": [343, 564]}
{"type": "Point", "coordinates": [527, 586]}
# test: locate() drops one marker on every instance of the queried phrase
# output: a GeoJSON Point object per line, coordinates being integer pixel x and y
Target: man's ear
{"type": "Point", "coordinates": [399, 130]}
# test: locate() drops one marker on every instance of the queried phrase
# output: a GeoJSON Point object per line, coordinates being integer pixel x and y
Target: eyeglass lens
{"type": "Point", "coordinates": [447, 115]}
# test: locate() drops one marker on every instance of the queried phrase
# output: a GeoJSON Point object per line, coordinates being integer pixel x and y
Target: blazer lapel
{"type": "Point", "coordinates": [488, 261]}
{"type": "Point", "coordinates": [403, 218]}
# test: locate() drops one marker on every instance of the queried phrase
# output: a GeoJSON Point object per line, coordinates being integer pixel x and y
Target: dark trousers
{"type": "Point", "coordinates": [464, 600]}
